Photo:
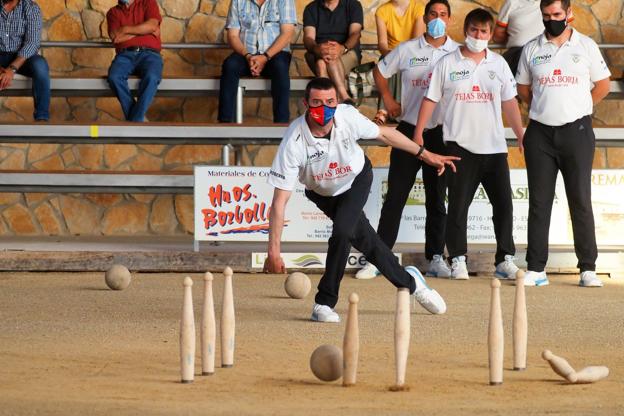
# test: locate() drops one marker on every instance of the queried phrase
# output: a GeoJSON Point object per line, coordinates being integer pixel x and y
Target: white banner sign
{"type": "Point", "coordinates": [310, 260]}
{"type": "Point", "coordinates": [233, 204]}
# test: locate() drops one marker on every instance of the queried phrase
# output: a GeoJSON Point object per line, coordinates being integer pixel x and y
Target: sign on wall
{"type": "Point", "coordinates": [233, 204]}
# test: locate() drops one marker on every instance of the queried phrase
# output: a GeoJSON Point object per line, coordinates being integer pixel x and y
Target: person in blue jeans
{"type": "Point", "coordinates": [259, 32]}
{"type": "Point", "coordinates": [134, 28]}
{"type": "Point", "coordinates": [21, 23]}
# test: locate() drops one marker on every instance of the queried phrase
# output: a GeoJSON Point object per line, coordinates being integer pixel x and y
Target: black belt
{"type": "Point", "coordinates": [138, 49]}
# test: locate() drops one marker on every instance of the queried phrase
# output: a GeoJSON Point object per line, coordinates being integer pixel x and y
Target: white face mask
{"type": "Point", "coordinates": [476, 45]}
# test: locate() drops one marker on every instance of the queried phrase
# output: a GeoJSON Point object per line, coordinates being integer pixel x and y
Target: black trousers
{"type": "Point", "coordinates": [351, 228]}
{"type": "Point", "coordinates": [492, 171]}
{"type": "Point", "coordinates": [401, 176]}
{"type": "Point", "coordinates": [512, 56]}
{"type": "Point", "coordinates": [569, 149]}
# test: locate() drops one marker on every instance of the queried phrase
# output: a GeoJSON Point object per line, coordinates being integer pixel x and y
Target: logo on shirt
{"type": "Point", "coordinates": [492, 74]}
{"type": "Point", "coordinates": [476, 96]}
{"type": "Point", "coordinates": [317, 156]}
{"type": "Point", "coordinates": [277, 175]}
{"type": "Point", "coordinates": [334, 171]}
{"type": "Point", "coordinates": [475, 88]}
{"type": "Point", "coordinates": [416, 61]}
{"type": "Point", "coordinates": [541, 59]}
{"type": "Point", "coordinates": [576, 58]}
{"type": "Point", "coordinates": [558, 79]}
{"type": "Point", "coordinates": [459, 75]}
{"type": "Point", "coordinates": [422, 82]}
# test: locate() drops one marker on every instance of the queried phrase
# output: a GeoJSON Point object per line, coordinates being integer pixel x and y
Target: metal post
{"type": "Point", "coordinates": [239, 105]}
{"type": "Point", "coordinates": [225, 155]}
{"type": "Point", "coordinates": [195, 245]}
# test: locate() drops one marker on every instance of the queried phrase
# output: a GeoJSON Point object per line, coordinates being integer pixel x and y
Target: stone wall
{"type": "Point", "coordinates": [192, 21]}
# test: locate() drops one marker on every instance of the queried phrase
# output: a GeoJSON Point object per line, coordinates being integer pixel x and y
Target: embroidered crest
{"type": "Point", "coordinates": [492, 74]}
{"type": "Point", "coordinates": [576, 58]}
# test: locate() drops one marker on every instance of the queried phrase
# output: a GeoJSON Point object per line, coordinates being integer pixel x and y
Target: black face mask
{"type": "Point", "coordinates": [555, 27]}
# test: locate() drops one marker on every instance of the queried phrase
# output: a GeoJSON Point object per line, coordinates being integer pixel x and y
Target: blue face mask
{"type": "Point", "coordinates": [436, 28]}
{"type": "Point", "coordinates": [322, 114]}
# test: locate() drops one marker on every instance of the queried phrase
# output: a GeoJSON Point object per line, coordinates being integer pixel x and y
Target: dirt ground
{"type": "Point", "coordinates": [69, 345]}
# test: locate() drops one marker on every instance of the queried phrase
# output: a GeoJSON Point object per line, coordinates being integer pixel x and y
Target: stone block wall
{"type": "Point", "coordinates": [193, 21]}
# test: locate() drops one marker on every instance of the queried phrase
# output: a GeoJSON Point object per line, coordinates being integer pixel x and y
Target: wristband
{"type": "Point", "coordinates": [13, 68]}
{"type": "Point", "coordinates": [267, 56]}
{"type": "Point", "coordinates": [420, 152]}
{"type": "Point", "coordinates": [247, 54]}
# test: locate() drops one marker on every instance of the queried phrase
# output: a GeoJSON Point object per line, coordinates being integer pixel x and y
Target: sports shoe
{"type": "Point", "coordinates": [459, 271]}
{"type": "Point", "coordinates": [506, 269]}
{"type": "Point", "coordinates": [532, 278]}
{"type": "Point", "coordinates": [589, 279]}
{"type": "Point", "coordinates": [438, 267]}
{"type": "Point", "coordinates": [367, 272]}
{"type": "Point", "coordinates": [428, 298]}
{"type": "Point", "coordinates": [323, 313]}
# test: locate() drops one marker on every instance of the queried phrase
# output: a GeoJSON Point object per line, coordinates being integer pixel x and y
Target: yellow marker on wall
{"type": "Point", "coordinates": [94, 131]}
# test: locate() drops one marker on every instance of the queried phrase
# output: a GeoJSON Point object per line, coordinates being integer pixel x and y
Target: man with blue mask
{"type": "Point", "coordinates": [320, 150]}
{"type": "Point", "coordinates": [414, 60]}
{"type": "Point", "coordinates": [21, 25]}
{"type": "Point", "coordinates": [134, 28]}
{"type": "Point", "coordinates": [475, 86]}
{"type": "Point", "coordinates": [562, 76]}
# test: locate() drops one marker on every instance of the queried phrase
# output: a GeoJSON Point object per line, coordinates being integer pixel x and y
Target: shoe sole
{"type": "Point", "coordinates": [432, 307]}
{"type": "Point", "coordinates": [367, 277]}
{"type": "Point", "coordinates": [538, 283]}
{"type": "Point", "coordinates": [460, 277]}
{"type": "Point", "coordinates": [315, 319]}
{"type": "Point", "coordinates": [581, 284]}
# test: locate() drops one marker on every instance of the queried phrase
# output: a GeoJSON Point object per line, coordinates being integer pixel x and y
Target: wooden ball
{"type": "Point", "coordinates": [297, 285]}
{"type": "Point", "coordinates": [326, 363]}
{"type": "Point", "coordinates": [118, 277]}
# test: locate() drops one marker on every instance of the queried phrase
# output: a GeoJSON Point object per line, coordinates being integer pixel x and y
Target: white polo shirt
{"type": "Point", "coordinates": [415, 59]}
{"type": "Point", "coordinates": [473, 94]}
{"type": "Point", "coordinates": [522, 20]}
{"type": "Point", "coordinates": [325, 166]}
{"type": "Point", "coordinates": [561, 77]}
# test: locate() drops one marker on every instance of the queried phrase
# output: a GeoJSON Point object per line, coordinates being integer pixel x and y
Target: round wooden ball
{"type": "Point", "coordinates": [297, 285]}
{"type": "Point", "coordinates": [118, 277]}
{"type": "Point", "coordinates": [326, 363]}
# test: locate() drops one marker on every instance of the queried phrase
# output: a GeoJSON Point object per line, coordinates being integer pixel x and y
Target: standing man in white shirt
{"type": "Point", "coordinates": [320, 150]}
{"type": "Point", "coordinates": [474, 84]}
{"type": "Point", "coordinates": [414, 60]}
{"type": "Point", "coordinates": [562, 75]}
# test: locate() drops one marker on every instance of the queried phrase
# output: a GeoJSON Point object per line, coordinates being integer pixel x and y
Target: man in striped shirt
{"type": "Point", "coordinates": [20, 36]}
{"type": "Point", "coordinates": [259, 32]}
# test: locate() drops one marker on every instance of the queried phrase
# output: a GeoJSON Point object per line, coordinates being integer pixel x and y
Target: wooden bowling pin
{"type": "Point", "coordinates": [401, 336]}
{"type": "Point", "coordinates": [520, 325]}
{"type": "Point", "coordinates": [589, 375]}
{"type": "Point", "coordinates": [187, 334]}
{"type": "Point", "coordinates": [559, 364]}
{"type": "Point", "coordinates": [208, 328]}
{"type": "Point", "coordinates": [495, 336]}
{"type": "Point", "coordinates": [227, 321]}
{"type": "Point", "coordinates": [351, 343]}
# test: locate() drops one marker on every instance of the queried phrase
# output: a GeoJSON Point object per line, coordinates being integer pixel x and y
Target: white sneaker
{"type": "Point", "coordinates": [323, 313]}
{"type": "Point", "coordinates": [459, 271]}
{"type": "Point", "coordinates": [589, 279]}
{"type": "Point", "coordinates": [532, 278]}
{"type": "Point", "coordinates": [428, 298]}
{"type": "Point", "coordinates": [438, 267]}
{"type": "Point", "coordinates": [506, 269]}
{"type": "Point", "coordinates": [367, 272]}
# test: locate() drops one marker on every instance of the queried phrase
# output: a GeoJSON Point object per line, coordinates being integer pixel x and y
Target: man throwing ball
{"type": "Point", "coordinates": [320, 150]}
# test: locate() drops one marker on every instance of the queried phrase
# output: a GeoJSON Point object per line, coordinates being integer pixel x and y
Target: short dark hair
{"type": "Point", "coordinates": [478, 17]}
{"type": "Point", "coordinates": [565, 4]}
{"type": "Point", "coordinates": [319, 83]}
{"type": "Point", "coordinates": [432, 2]}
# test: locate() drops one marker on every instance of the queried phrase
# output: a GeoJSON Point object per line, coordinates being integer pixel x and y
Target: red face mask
{"type": "Point", "coordinates": [322, 114]}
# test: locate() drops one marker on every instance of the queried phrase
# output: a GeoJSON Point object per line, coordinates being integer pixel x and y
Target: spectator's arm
{"type": "Point", "coordinates": [419, 27]}
{"type": "Point", "coordinates": [287, 31]}
{"type": "Point", "coordinates": [235, 42]}
{"type": "Point", "coordinates": [524, 92]}
{"type": "Point", "coordinates": [382, 36]}
{"type": "Point", "coordinates": [600, 90]}
{"type": "Point", "coordinates": [32, 35]}
{"type": "Point", "coordinates": [500, 35]}
{"type": "Point", "coordinates": [309, 40]}
{"type": "Point", "coordinates": [355, 32]}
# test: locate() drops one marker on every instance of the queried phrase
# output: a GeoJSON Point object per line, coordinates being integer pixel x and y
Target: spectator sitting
{"type": "Point", "coordinates": [397, 21]}
{"type": "Point", "coordinates": [259, 32]}
{"type": "Point", "coordinates": [518, 22]}
{"type": "Point", "coordinates": [134, 28]}
{"type": "Point", "coordinates": [21, 25]}
{"type": "Point", "coordinates": [331, 35]}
